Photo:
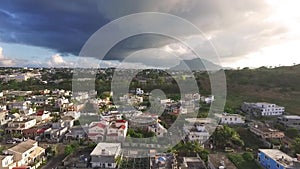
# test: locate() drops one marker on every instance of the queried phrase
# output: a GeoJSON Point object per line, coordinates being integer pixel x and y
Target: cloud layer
{"type": "Point", "coordinates": [236, 29]}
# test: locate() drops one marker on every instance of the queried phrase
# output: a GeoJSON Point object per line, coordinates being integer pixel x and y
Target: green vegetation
{"type": "Point", "coordinates": [250, 140]}
{"type": "Point", "coordinates": [71, 148]}
{"type": "Point", "coordinates": [296, 145]}
{"type": "Point", "coordinates": [190, 149]}
{"type": "Point", "coordinates": [225, 136]}
{"type": "Point", "coordinates": [243, 161]}
{"type": "Point", "coordinates": [139, 133]}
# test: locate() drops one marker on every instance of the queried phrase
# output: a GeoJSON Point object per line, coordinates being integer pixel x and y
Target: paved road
{"type": "Point", "coordinates": [55, 161]}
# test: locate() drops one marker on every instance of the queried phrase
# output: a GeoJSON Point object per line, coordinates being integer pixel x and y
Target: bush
{"type": "Point", "coordinates": [248, 156]}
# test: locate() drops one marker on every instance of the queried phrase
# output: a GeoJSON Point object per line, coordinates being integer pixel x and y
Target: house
{"type": "Point", "coordinates": [231, 119]}
{"type": "Point", "coordinates": [77, 132]}
{"type": "Point", "coordinates": [27, 153]}
{"type": "Point", "coordinates": [208, 100]}
{"type": "Point", "coordinates": [19, 125]}
{"type": "Point", "coordinates": [55, 134]}
{"type": "Point", "coordinates": [275, 159]}
{"type": "Point", "coordinates": [142, 120]}
{"type": "Point", "coordinates": [262, 109]}
{"type": "Point", "coordinates": [163, 161]}
{"type": "Point", "coordinates": [265, 132]}
{"type": "Point", "coordinates": [74, 114]}
{"type": "Point", "coordinates": [196, 132]}
{"type": "Point", "coordinates": [41, 115]}
{"type": "Point", "coordinates": [158, 129]}
{"type": "Point", "coordinates": [219, 161]}
{"type": "Point", "coordinates": [117, 130]}
{"type": "Point", "coordinates": [68, 121]}
{"type": "Point", "coordinates": [193, 162]}
{"type": "Point", "coordinates": [292, 121]}
{"type": "Point", "coordinates": [97, 131]}
{"type": "Point", "coordinates": [22, 105]}
{"type": "Point", "coordinates": [3, 115]}
{"type": "Point", "coordinates": [7, 161]}
{"type": "Point", "coordinates": [105, 154]}
{"type": "Point", "coordinates": [139, 91]}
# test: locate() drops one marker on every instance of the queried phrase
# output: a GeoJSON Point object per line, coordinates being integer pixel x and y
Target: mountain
{"type": "Point", "coordinates": [197, 64]}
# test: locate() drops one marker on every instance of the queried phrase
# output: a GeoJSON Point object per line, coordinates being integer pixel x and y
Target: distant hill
{"type": "Point", "coordinates": [279, 85]}
{"type": "Point", "coordinates": [197, 64]}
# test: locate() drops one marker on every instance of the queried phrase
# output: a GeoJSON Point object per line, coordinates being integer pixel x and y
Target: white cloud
{"type": "Point", "coordinates": [58, 61]}
{"type": "Point", "coordinates": [4, 61]}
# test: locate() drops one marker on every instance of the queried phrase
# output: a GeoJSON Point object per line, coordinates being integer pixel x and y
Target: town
{"type": "Point", "coordinates": [45, 124]}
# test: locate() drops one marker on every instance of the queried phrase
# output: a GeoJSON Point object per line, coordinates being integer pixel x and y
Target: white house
{"type": "Point", "coordinates": [7, 161]}
{"type": "Point", "coordinates": [232, 119]}
{"type": "Point", "coordinates": [196, 132]}
{"type": "Point", "coordinates": [158, 129]}
{"type": "Point", "coordinates": [139, 91]}
{"type": "Point", "coordinates": [117, 130]}
{"type": "Point", "coordinates": [97, 131]}
{"type": "Point", "coordinates": [105, 154]}
{"type": "Point", "coordinates": [262, 109]}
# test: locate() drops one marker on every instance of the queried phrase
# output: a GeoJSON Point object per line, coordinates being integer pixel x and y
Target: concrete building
{"type": "Point", "coordinates": [292, 121]}
{"type": "Point", "coordinates": [262, 109]}
{"type": "Point", "coordinates": [231, 119]}
{"type": "Point", "coordinates": [7, 161]}
{"type": "Point", "coordinates": [27, 153]}
{"type": "Point", "coordinates": [196, 132]}
{"type": "Point", "coordinates": [265, 132]}
{"type": "Point", "coordinates": [275, 159]}
{"type": "Point", "coordinates": [105, 154]}
{"type": "Point", "coordinates": [219, 161]}
{"type": "Point", "coordinates": [19, 125]}
{"type": "Point", "coordinates": [158, 129]}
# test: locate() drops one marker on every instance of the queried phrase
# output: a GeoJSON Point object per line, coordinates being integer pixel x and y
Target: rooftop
{"type": "Point", "coordinates": [24, 146]}
{"type": "Point", "coordinates": [279, 156]}
{"type": "Point", "coordinates": [294, 117]}
{"type": "Point", "coordinates": [106, 149]}
{"type": "Point", "coordinates": [218, 159]}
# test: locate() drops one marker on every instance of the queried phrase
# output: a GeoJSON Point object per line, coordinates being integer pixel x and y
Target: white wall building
{"type": "Point", "coordinates": [262, 109]}
{"type": "Point", "coordinates": [231, 119]}
{"type": "Point", "coordinates": [105, 154]}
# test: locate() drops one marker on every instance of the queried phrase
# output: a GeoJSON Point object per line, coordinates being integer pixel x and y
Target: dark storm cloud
{"type": "Point", "coordinates": [60, 25]}
{"type": "Point", "coordinates": [236, 28]}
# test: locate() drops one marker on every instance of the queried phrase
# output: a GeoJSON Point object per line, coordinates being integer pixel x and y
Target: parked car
{"type": "Point", "coordinates": [11, 142]}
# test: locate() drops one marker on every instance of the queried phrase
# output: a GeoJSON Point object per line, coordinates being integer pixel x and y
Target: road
{"type": "Point", "coordinates": [56, 161]}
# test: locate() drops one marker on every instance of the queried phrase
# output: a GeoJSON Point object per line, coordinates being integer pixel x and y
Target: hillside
{"type": "Point", "coordinates": [278, 85]}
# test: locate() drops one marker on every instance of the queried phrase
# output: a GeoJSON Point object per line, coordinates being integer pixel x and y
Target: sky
{"type": "Point", "coordinates": [244, 33]}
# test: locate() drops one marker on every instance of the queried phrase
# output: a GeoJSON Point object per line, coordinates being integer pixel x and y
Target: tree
{"type": "Point", "coordinates": [296, 145]}
{"type": "Point", "coordinates": [292, 133]}
{"type": "Point", "coordinates": [224, 136]}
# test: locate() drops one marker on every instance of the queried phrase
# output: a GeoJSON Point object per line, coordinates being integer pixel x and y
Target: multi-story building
{"type": "Point", "coordinates": [19, 125]}
{"type": "Point", "coordinates": [231, 119]}
{"type": "Point", "coordinates": [105, 154]}
{"type": "Point", "coordinates": [275, 159]}
{"type": "Point", "coordinates": [7, 161]}
{"type": "Point", "coordinates": [262, 109]}
{"type": "Point", "coordinates": [117, 130]}
{"type": "Point", "coordinates": [292, 121]}
{"type": "Point", "coordinates": [97, 131]}
{"type": "Point", "coordinates": [158, 129]}
{"type": "Point", "coordinates": [196, 132]}
{"type": "Point", "coordinates": [27, 153]}
{"type": "Point", "coordinates": [265, 132]}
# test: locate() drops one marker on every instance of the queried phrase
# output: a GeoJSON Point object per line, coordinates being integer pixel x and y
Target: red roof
{"type": "Point", "coordinates": [100, 125]}
{"type": "Point", "coordinates": [22, 167]}
{"type": "Point", "coordinates": [40, 112]}
{"type": "Point", "coordinates": [122, 126]}
{"type": "Point", "coordinates": [121, 121]}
